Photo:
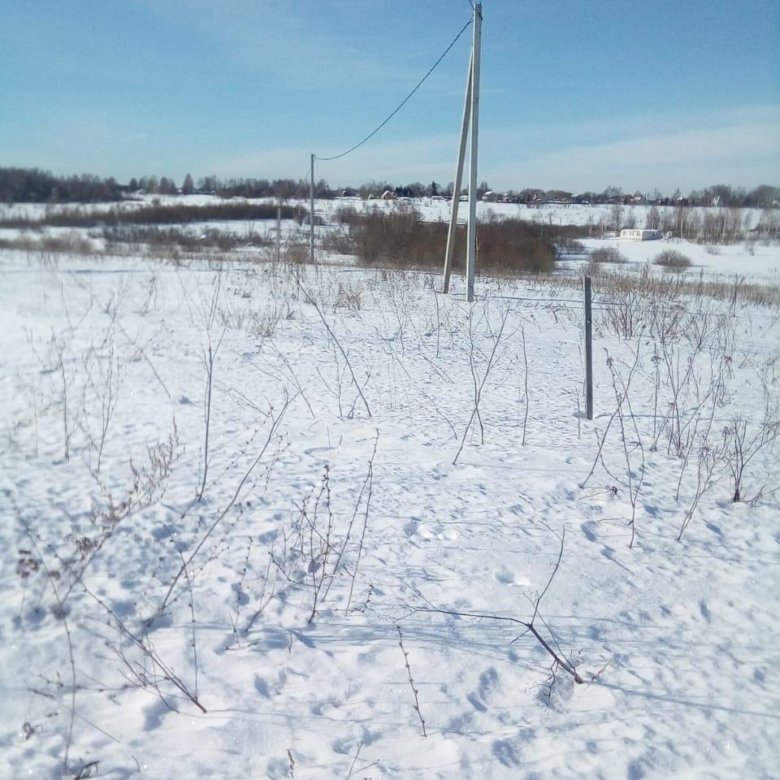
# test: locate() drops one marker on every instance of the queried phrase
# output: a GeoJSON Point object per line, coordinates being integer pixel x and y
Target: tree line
{"type": "Point", "coordinates": [32, 185]}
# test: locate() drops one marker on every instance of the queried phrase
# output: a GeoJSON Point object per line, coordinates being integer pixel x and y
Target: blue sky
{"type": "Point", "coordinates": [576, 94]}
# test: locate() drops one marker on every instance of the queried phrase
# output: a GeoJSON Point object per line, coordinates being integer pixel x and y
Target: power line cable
{"type": "Point", "coordinates": [302, 187]}
{"type": "Point", "coordinates": [402, 103]}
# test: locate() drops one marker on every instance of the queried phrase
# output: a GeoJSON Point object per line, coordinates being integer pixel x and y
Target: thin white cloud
{"type": "Point", "coordinates": [740, 147]}
{"type": "Point", "coordinates": [603, 129]}
{"type": "Point", "coordinates": [283, 40]}
{"type": "Point", "coordinates": [737, 147]}
{"type": "Point", "coordinates": [419, 159]}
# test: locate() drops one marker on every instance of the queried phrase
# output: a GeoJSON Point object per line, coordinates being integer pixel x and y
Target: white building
{"type": "Point", "coordinates": [640, 234]}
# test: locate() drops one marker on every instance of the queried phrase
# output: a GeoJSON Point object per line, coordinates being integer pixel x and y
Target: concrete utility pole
{"type": "Point", "coordinates": [470, 122]}
{"type": "Point", "coordinates": [464, 133]}
{"type": "Point", "coordinates": [471, 256]}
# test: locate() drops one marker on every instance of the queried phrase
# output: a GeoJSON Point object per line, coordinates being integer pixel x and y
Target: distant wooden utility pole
{"type": "Point", "coordinates": [278, 250]}
{"type": "Point", "coordinates": [311, 211]}
{"type": "Point", "coordinates": [470, 123]}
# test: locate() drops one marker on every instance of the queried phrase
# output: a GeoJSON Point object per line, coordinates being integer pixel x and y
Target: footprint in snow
{"type": "Point", "coordinates": [269, 690]}
{"type": "Point", "coordinates": [461, 724]}
{"type": "Point", "coordinates": [609, 553]}
{"type": "Point", "coordinates": [505, 577]}
{"type": "Point", "coordinates": [589, 529]}
{"type": "Point", "coordinates": [261, 686]}
{"type": "Point", "coordinates": [594, 631]}
{"type": "Point", "coordinates": [506, 753]}
{"type": "Point", "coordinates": [510, 578]}
{"type": "Point", "coordinates": [278, 768]}
{"type": "Point", "coordinates": [635, 771]}
{"type": "Point", "coordinates": [153, 715]}
{"type": "Point", "coordinates": [488, 681]}
{"type": "Point", "coordinates": [412, 527]}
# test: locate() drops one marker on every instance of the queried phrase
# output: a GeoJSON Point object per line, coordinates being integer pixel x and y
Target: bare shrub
{"type": "Point", "coordinates": [346, 215]}
{"type": "Point", "coordinates": [672, 288]}
{"type": "Point", "coordinates": [743, 444]}
{"type": "Point", "coordinates": [509, 255]}
{"type": "Point", "coordinates": [155, 213]}
{"type": "Point", "coordinates": [415, 691]}
{"type": "Point", "coordinates": [296, 253]}
{"type": "Point", "coordinates": [401, 239]}
{"type": "Point", "coordinates": [156, 238]}
{"type": "Point", "coordinates": [479, 385]}
{"type": "Point", "coordinates": [312, 550]}
{"type": "Point", "coordinates": [694, 380]}
{"type": "Point", "coordinates": [672, 260]}
{"type": "Point", "coordinates": [348, 297]}
{"type": "Point", "coordinates": [633, 449]}
{"type": "Point", "coordinates": [208, 362]}
{"type": "Point", "coordinates": [636, 304]}
{"type": "Point", "coordinates": [512, 246]}
{"type": "Point", "coordinates": [186, 561]}
{"type": "Point", "coordinates": [70, 244]}
{"type": "Point", "coordinates": [631, 440]}
{"type": "Point", "coordinates": [607, 254]}
{"type": "Point", "coordinates": [569, 246]}
{"type": "Point", "coordinates": [398, 237]}
{"type": "Point", "coordinates": [63, 244]}
{"type": "Point", "coordinates": [708, 460]}
{"type": "Point", "coordinates": [338, 241]}
{"type": "Point", "coordinates": [340, 348]}
{"type": "Point", "coordinates": [263, 324]}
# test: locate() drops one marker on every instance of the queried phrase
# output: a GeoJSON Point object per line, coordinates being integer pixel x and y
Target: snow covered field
{"type": "Point", "coordinates": [290, 521]}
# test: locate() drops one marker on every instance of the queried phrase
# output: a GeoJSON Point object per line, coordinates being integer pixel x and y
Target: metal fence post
{"type": "Point", "coordinates": [588, 352]}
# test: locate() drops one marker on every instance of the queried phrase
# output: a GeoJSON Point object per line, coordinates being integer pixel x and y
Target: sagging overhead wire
{"type": "Point", "coordinates": [402, 103]}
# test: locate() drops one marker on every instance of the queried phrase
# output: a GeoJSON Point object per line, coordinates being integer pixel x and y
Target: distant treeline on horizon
{"type": "Point", "coordinates": [32, 185]}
